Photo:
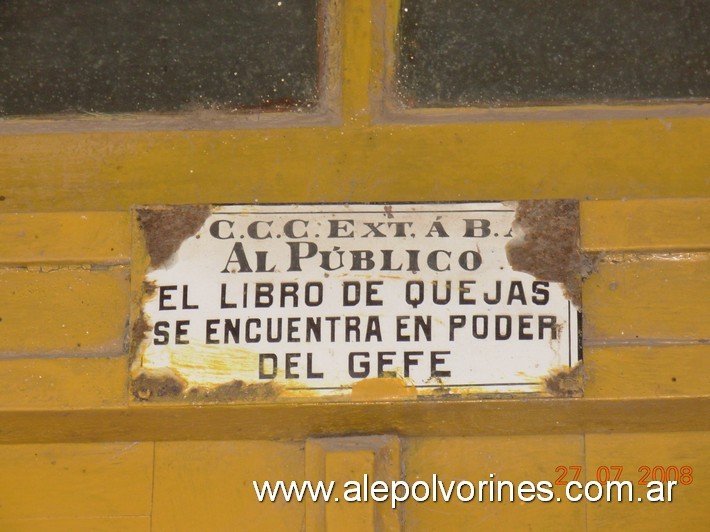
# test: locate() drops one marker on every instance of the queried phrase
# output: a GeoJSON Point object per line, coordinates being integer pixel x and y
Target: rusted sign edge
{"type": "Point", "coordinates": [548, 245]}
{"type": "Point", "coordinates": [549, 248]}
{"type": "Point", "coordinates": [166, 227]}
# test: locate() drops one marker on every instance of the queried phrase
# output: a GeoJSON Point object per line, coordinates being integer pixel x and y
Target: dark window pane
{"type": "Point", "coordinates": [156, 55]}
{"type": "Point", "coordinates": [505, 52]}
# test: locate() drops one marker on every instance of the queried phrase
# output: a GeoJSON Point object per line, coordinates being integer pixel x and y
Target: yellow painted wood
{"type": "Point", "coordinates": [208, 485]}
{"type": "Point", "coordinates": [417, 155]}
{"type": "Point", "coordinates": [346, 459]}
{"type": "Point", "coordinates": [513, 458]}
{"type": "Point", "coordinates": [63, 311]}
{"type": "Point", "coordinates": [636, 299]}
{"type": "Point", "coordinates": [385, 47]}
{"type": "Point", "coordinates": [687, 511]}
{"type": "Point", "coordinates": [356, 61]}
{"type": "Point", "coordinates": [75, 480]}
{"type": "Point", "coordinates": [658, 224]}
{"type": "Point", "coordinates": [63, 383]}
{"type": "Point", "coordinates": [294, 422]}
{"type": "Point", "coordinates": [659, 371]}
{"type": "Point", "coordinates": [330, 92]}
{"type": "Point", "coordinates": [342, 467]}
{"type": "Point", "coordinates": [79, 524]}
{"type": "Point", "coordinates": [78, 237]}
{"type": "Point", "coordinates": [596, 159]}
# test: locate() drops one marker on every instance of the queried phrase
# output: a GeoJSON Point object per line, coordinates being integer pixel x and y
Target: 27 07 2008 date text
{"type": "Point", "coordinates": [681, 474]}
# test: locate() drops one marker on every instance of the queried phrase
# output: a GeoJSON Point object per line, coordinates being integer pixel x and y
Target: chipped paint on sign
{"type": "Point", "coordinates": [315, 300]}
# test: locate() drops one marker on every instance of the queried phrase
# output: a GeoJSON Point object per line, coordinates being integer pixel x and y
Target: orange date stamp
{"type": "Point", "coordinates": [613, 473]}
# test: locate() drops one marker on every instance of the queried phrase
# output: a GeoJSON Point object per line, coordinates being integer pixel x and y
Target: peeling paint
{"type": "Point", "coordinates": [566, 382]}
{"type": "Point", "coordinates": [547, 245]}
{"type": "Point", "coordinates": [651, 256]}
{"type": "Point", "coordinates": [166, 227]}
{"type": "Point", "coordinates": [383, 388]}
{"type": "Point", "coordinates": [209, 365]}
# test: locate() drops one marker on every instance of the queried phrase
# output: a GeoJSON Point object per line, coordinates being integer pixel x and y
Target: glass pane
{"type": "Point", "coordinates": [156, 55]}
{"type": "Point", "coordinates": [506, 52]}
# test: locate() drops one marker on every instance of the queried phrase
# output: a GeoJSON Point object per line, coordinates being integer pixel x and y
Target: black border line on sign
{"type": "Point", "coordinates": [569, 331]}
{"type": "Point", "coordinates": [356, 212]}
{"type": "Point", "coordinates": [479, 385]}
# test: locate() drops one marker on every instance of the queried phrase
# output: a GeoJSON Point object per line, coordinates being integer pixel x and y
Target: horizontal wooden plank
{"type": "Point", "coordinates": [512, 458]}
{"type": "Point", "coordinates": [75, 480]}
{"type": "Point", "coordinates": [660, 371]}
{"type": "Point", "coordinates": [78, 524]}
{"type": "Point", "coordinates": [59, 383]}
{"type": "Point", "coordinates": [208, 485]}
{"type": "Point", "coordinates": [658, 224]}
{"type": "Point", "coordinates": [299, 421]}
{"type": "Point", "coordinates": [76, 237]}
{"type": "Point", "coordinates": [604, 159]}
{"type": "Point", "coordinates": [637, 299]}
{"type": "Point", "coordinates": [63, 311]}
{"type": "Point", "coordinates": [686, 511]}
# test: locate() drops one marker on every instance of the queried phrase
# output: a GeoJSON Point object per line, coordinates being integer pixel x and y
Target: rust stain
{"type": "Point", "coordinates": [566, 382]}
{"type": "Point", "coordinates": [149, 288]}
{"type": "Point", "coordinates": [139, 332]}
{"type": "Point", "coordinates": [157, 384]}
{"type": "Point", "coordinates": [442, 391]}
{"type": "Point", "coordinates": [236, 390]}
{"type": "Point", "coordinates": [165, 384]}
{"type": "Point", "coordinates": [166, 227]}
{"type": "Point", "coordinates": [549, 247]}
{"type": "Point", "coordinates": [140, 326]}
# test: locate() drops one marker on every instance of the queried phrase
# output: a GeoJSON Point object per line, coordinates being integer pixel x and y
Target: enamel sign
{"type": "Point", "coordinates": [314, 299]}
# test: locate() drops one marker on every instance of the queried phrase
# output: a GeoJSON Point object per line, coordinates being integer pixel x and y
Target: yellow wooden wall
{"type": "Point", "coordinates": [77, 454]}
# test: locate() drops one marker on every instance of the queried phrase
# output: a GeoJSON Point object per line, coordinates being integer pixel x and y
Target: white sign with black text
{"type": "Point", "coordinates": [317, 298]}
